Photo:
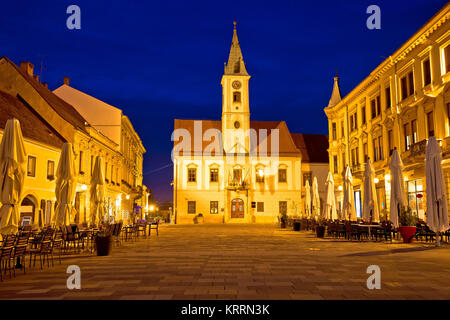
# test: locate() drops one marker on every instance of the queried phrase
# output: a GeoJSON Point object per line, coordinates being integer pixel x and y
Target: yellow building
{"type": "Point", "coordinates": [63, 123]}
{"type": "Point", "coordinates": [124, 164]}
{"type": "Point", "coordinates": [237, 170]}
{"type": "Point", "coordinates": [399, 105]}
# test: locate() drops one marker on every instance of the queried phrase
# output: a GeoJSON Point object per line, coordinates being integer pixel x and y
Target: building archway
{"type": "Point", "coordinates": [28, 209]}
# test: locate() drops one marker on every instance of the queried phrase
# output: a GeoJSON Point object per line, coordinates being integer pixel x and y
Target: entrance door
{"type": "Point", "coordinates": [237, 208]}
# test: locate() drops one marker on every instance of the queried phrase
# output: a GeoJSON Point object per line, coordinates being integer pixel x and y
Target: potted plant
{"type": "Point", "coordinates": [320, 229]}
{"type": "Point", "coordinates": [103, 241]}
{"type": "Point", "coordinates": [199, 218]}
{"type": "Point", "coordinates": [407, 221]}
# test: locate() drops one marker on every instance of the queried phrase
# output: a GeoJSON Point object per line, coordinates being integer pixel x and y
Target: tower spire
{"type": "Point", "coordinates": [235, 63]}
{"type": "Point", "coordinates": [336, 94]}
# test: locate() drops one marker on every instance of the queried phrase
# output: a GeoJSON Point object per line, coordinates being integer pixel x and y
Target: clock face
{"type": "Point", "coordinates": [236, 84]}
{"type": "Point", "coordinates": [237, 124]}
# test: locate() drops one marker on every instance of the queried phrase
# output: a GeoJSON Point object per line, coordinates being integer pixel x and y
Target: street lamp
{"type": "Point", "coordinates": [376, 180]}
{"type": "Point", "coordinates": [83, 187]}
{"type": "Point", "coordinates": [127, 197]}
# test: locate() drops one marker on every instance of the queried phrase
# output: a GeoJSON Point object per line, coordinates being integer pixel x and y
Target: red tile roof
{"type": "Point", "coordinates": [32, 125]}
{"type": "Point", "coordinates": [314, 147]}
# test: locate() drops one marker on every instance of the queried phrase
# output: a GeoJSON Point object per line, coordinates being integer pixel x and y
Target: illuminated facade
{"type": "Point", "coordinates": [238, 170]}
{"type": "Point", "coordinates": [399, 105]}
{"type": "Point", "coordinates": [61, 122]}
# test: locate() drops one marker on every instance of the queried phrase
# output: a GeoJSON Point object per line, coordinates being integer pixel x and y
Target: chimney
{"type": "Point", "coordinates": [27, 67]}
{"type": "Point", "coordinates": [45, 85]}
{"type": "Point", "coordinates": [66, 81]}
{"type": "Point", "coordinates": [36, 78]}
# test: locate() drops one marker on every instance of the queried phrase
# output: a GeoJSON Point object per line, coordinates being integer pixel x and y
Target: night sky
{"type": "Point", "coordinates": [160, 60]}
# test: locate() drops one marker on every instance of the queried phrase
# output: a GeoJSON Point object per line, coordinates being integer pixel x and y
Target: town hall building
{"type": "Point", "coordinates": [238, 170]}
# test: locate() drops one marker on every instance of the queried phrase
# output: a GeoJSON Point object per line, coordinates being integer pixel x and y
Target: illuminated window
{"type": "Point", "coordinates": [430, 124]}
{"type": "Point", "coordinates": [426, 67]}
{"type": "Point", "coordinates": [282, 175]}
{"type": "Point", "coordinates": [335, 164]}
{"type": "Point", "coordinates": [390, 142]}
{"type": "Point", "coordinates": [387, 92]}
{"type": "Point", "coordinates": [214, 207]}
{"type": "Point", "coordinates": [50, 170]}
{"type": "Point", "coordinates": [447, 58]}
{"type": "Point", "coordinates": [192, 175]}
{"type": "Point", "coordinates": [366, 152]}
{"type": "Point", "coordinates": [31, 166]}
{"type": "Point", "coordinates": [80, 163]}
{"type": "Point", "coordinates": [333, 130]}
{"type": "Point", "coordinates": [363, 115]}
{"type": "Point", "coordinates": [214, 175]}
{"type": "Point", "coordinates": [259, 175]}
{"type": "Point", "coordinates": [191, 206]}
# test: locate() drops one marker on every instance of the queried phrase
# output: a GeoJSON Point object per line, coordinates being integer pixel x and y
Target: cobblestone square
{"type": "Point", "coordinates": [243, 262]}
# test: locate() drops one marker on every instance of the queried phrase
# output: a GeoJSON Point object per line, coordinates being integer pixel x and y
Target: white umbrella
{"type": "Point", "coordinates": [348, 207]}
{"type": "Point", "coordinates": [12, 175]}
{"type": "Point", "coordinates": [316, 199]}
{"type": "Point", "coordinates": [370, 205]}
{"type": "Point", "coordinates": [307, 199]}
{"type": "Point", "coordinates": [398, 195]}
{"type": "Point", "coordinates": [65, 186]}
{"type": "Point", "coordinates": [329, 211]}
{"type": "Point", "coordinates": [437, 214]}
{"type": "Point", "coordinates": [97, 192]}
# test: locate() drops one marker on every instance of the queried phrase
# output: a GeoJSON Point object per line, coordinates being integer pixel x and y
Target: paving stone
{"type": "Point", "coordinates": [242, 262]}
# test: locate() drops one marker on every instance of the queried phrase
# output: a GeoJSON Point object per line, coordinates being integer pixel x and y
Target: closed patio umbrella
{"type": "Point", "coordinates": [398, 195]}
{"type": "Point", "coordinates": [65, 186]}
{"type": "Point", "coordinates": [97, 192]}
{"type": "Point", "coordinates": [437, 214]}
{"type": "Point", "coordinates": [316, 199]}
{"type": "Point", "coordinates": [12, 175]}
{"type": "Point", "coordinates": [329, 211]}
{"type": "Point", "coordinates": [307, 199]}
{"type": "Point", "coordinates": [348, 207]}
{"type": "Point", "coordinates": [370, 205]}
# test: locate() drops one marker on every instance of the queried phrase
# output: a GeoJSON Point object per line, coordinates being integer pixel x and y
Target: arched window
{"type": "Point", "coordinates": [236, 96]}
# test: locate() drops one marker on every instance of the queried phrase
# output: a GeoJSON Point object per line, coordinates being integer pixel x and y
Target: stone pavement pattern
{"type": "Point", "coordinates": [243, 262]}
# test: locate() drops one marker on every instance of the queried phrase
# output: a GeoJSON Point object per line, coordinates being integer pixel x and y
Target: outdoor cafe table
{"type": "Point", "coordinates": [369, 226]}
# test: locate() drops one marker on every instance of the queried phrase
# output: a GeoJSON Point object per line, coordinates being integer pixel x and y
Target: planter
{"type": "Point", "coordinates": [407, 233]}
{"type": "Point", "coordinates": [103, 245]}
{"type": "Point", "coordinates": [320, 231]}
{"type": "Point", "coordinates": [296, 225]}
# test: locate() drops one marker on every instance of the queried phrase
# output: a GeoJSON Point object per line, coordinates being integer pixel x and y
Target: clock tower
{"type": "Point", "coordinates": [235, 101]}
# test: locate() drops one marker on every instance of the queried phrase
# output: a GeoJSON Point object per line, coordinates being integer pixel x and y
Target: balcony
{"type": "Point", "coordinates": [238, 184]}
{"type": "Point", "coordinates": [416, 152]}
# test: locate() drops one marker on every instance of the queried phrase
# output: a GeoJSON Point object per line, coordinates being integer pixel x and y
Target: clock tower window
{"type": "Point", "coordinates": [236, 96]}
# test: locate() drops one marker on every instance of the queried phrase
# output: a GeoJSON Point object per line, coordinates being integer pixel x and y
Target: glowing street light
{"type": "Point", "coordinates": [387, 177]}
{"type": "Point", "coordinates": [127, 197]}
{"type": "Point", "coordinates": [376, 180]}
{"type": "Point", "coordinates": [152, 208]}
{"type": "Point", "coordinates": [261, 172]}
{"type": "Point", "coordinates": [83, 187]}
{"type": "Point", "coordinates": [340, 188]}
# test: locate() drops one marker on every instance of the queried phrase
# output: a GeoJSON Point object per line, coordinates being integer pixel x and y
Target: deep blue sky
{"type": "Point", "coordinates": [160, 60]}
